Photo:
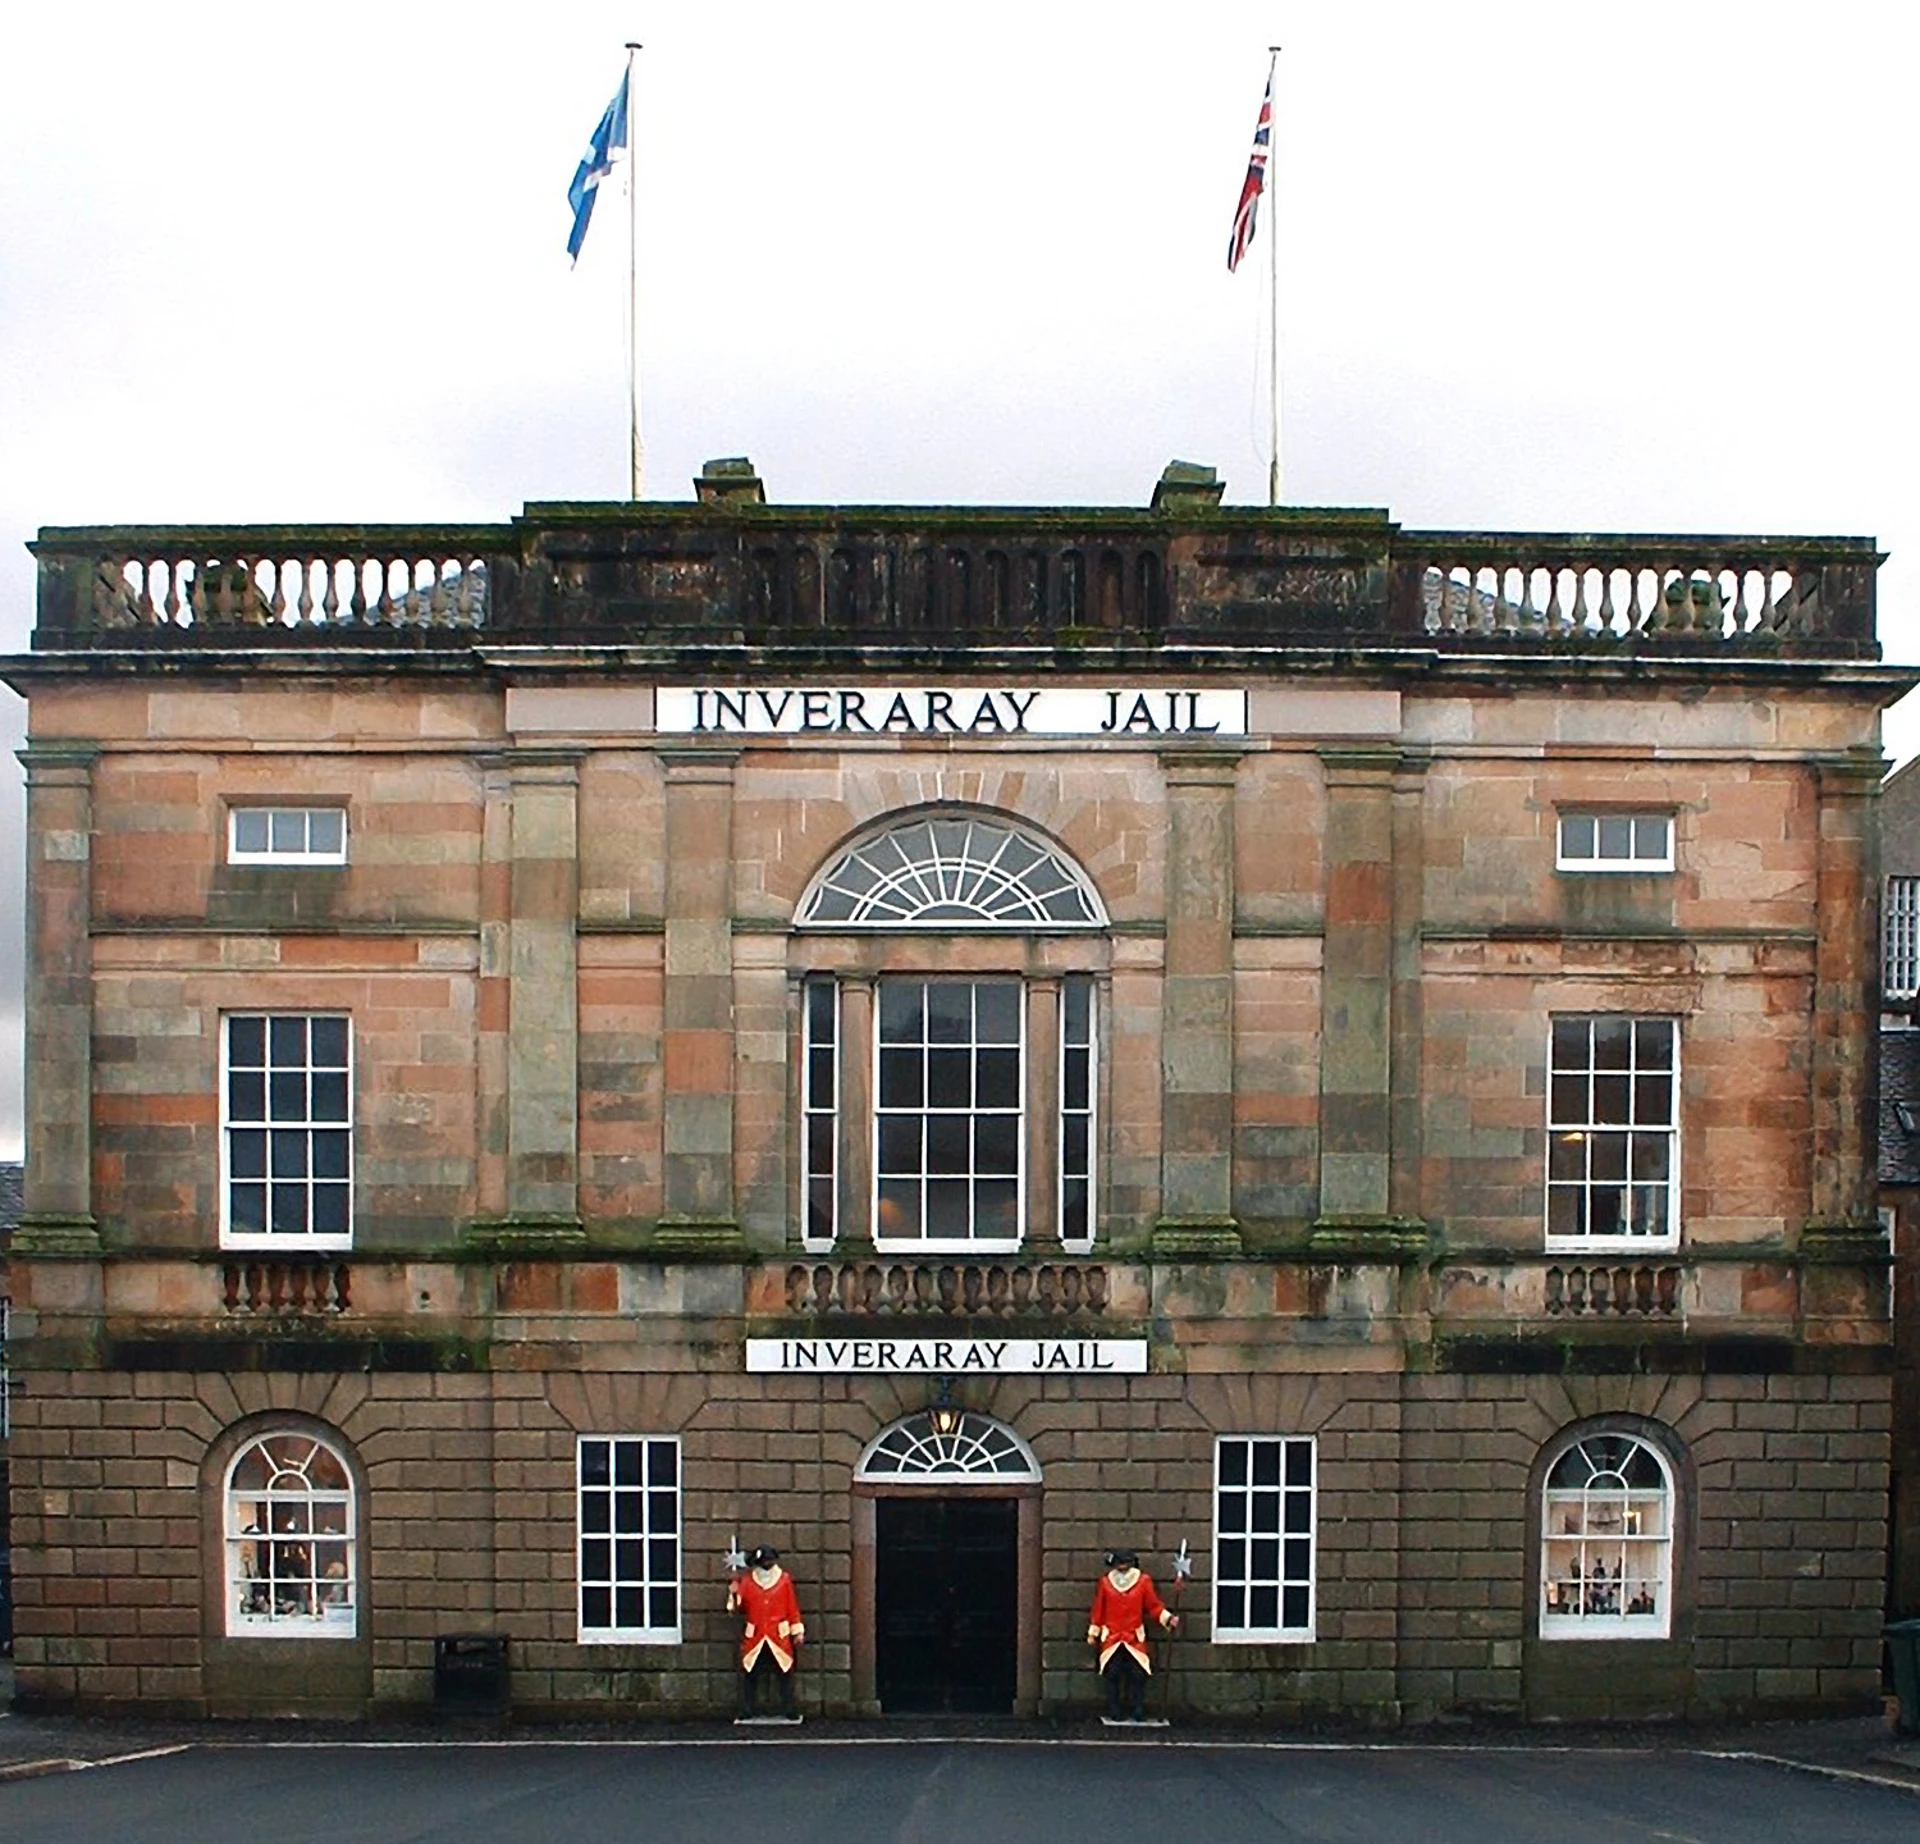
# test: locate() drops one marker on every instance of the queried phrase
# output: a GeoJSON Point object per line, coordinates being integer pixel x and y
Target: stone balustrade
{"type": "Point", "coordinates": [273, 1289]}
{"type": "Point", "coordinates": [795, 579]}
{"type": "Point", "coordinates": [987, 1289]}
{"type": "Point", "coordinates": [1643, 1290]}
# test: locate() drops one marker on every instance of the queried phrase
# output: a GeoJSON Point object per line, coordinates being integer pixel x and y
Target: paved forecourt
{"type": "Point", "coordinates": [936, 1792]}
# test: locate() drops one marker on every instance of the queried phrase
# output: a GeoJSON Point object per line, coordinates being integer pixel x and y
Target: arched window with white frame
{"type": "Point", "coordinates": [1606, 1541]}
{"type": "Point", "coordinates": [980, 1071]}
{"type": "Point", "coordinates": [291, 1558]}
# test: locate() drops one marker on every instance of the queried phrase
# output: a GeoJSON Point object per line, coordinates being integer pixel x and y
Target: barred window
{"type": "Point", "coordinates": [1615, 842]}
{"type": "Point", "coordinates": [1613, 1133]}
{"type": "Point", "coordinates": [629, 1530]}
{"type": "Point", "coordinates": [287, 835]}
{"type": "Point", "coordinates": [1900, 939]}
{"type": "Point", "coordinates": [1606, 1542]}
{"type": "Point", "coordinates": [286, 1130]}
{"type": "Point", "coordinates": [290, 1543]}
{"type": "Point", "coordinates": [1263, 1535]}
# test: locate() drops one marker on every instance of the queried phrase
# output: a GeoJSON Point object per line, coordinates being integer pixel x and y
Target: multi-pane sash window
{"type": "Point", "coordinates": [1263, 1531]}
{"type": "Point", "coordinates": [1606, 1542]}
{"type": "Point", "coordinates": [1077, 1066]}
{"type": "Point", "coordinates": [287, 835]}
{"type": "Point", "coordinates": [1616, 842]}
{"type": "Point", "coordinates": [1613, 1155]}
{"type": "Point", "coordinates": [820, 1110]}
{"type": "Point", "coordinates": [1900, 939]}
{"type": "Point", "coordinates": [949, 1153]}
{"type": "Point", "coordinates": [629, 1561]}
{"type": "Point", "coordinates": [290, 1550]}
{"type": "Point", "coordinates": [287, 1133]}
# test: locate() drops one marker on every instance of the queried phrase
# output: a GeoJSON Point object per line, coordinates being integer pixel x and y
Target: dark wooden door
{"type": "Point", "coordinates": [946, 1603]}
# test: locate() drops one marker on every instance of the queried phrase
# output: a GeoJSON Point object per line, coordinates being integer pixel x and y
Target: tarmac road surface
{"type": "Point", "coordinates": [943, 1792]}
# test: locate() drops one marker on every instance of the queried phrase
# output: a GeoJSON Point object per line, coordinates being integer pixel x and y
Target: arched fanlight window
{"type": "Point", "coordinates": [1606, 1542]}
{"type": "Point", "coordinates": [290, 1551]}
{"type": "Point", "coordinates": [951, 871]}
{"type": "Point", "coordinates": [947, 1445]}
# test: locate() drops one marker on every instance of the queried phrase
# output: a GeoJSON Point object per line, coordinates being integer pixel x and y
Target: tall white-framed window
{"type": "Point", "coordinates": [819, 1111]}
{"type": "Point", "coordinates": [287, 835]}
{"type": "Point", "coordinates": [1606, 1541]}
{"type": "Point", "coordinates": [1592, 840]}
{"type": "Point", "coordinates": [1900, 939]}
{"type": "Point", "coordinates": [291, 1552]}
{"type": "Point", "coordinates": [286, 1104]}
{"type": "Point", "coordinates": [944, 1068]}
{"type": "Point", "coordinates": [950, 1096]}
{"type": "Point", "coordinates": [1079, 1070]}
{"type": "Point", "coordinates": [629, 1569]}
{"type": "Point", "coordinates": [1263, 1538]}
{"type": "Point", "coordinates": [1613, 1133]}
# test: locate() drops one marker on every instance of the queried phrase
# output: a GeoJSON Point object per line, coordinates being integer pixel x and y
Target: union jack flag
{"type": "Point", "coordinates": [1256, 182]}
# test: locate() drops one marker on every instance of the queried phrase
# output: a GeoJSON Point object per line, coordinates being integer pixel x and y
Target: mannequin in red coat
{"type": "Point", "coordinates": [773, 1630]}
{"type": "Point", "coordinates": [1123, 1605]}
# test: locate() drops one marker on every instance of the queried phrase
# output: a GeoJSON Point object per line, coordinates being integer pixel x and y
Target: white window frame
{"type": "Point", "coordinates": [973, 1244]}
{"type": "Point", "coordinates": [232, 1125]}
{"type": "Point", "coordinates": [1282, 1579]}
{"type": "Point", "coordinates": [1568, 1134]}
{"type": "Point", "coordinates": [821, 1048]}
{"type": "Point", "coordinates": [588, 1574]}
{"type": "Point", "coordinates": [1069, 1112]}
{"type": "Point", "coordinates": [273, 1556]}
{"type": "Point", "coordinates": [1900, 939]}
{"type": "Point", "coordinates": [1581, 1528]}
{"type": "Point", "coordinates": [1625, 855]}
{"type": "Point", "coordinates": [280, 819]}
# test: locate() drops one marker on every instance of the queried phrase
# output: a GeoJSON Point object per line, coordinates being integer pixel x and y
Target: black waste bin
{"type": "Point", "coordinates": [1903, 1643]}
{"type": "Point", "coordinates": [470, 1671]}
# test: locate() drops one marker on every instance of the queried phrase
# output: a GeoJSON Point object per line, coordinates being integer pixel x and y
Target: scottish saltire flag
{"type": "Point", "coordinates": [1256, 181]}
{"type": "Point", "coordinates": [611, 133]}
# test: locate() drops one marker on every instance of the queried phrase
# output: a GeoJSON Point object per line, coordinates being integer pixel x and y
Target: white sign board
{"type": "Point", "coordinates": [948, 1356]}
{"type": "Point", "coordinates": [1132, 712]}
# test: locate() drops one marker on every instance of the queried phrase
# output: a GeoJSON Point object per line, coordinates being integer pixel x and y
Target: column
{"type": "Point", "coordinates": [1356, 984]}
{"type": "Point", "coordinates": [543, 1048]}
{"type": "Point", "coordinates": [1196, 1054]}
{"type": "Point", "coordinates": [697, 1047]}
{"type": "Point", "coordinates": [58, 1212]}
{"type": "Point", "coordinates": [1844, 984]}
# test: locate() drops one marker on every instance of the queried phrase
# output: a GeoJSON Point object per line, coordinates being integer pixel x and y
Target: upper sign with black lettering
{"type": "Point", "coordinates": [919, 710]}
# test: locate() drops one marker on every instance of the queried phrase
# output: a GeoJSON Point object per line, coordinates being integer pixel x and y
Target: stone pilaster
{"type": "Point", "coordinates": [1356, 1004]}
{"type": "Point", "coordinates": [856, 1111]}
{"type": "Point", "coordinates": [1043, 1111]}
{"type": "Point", "coordinates": [1405, 1110]}
{"type": "Point", "coordinates": [543, 1051]}
{"type": "Point", "coordinates": [1196, 1054]}
{"type": "Point", "coordinates": [58, 1215]}
{"type": "Point", "coordinates": [1844, 985]}
{"type": "Point", "coordinates": [697, 1043]}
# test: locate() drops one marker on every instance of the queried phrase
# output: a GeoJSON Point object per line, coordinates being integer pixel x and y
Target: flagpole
{"type": "Point", "coordinates": [1273, 288]}
{"type": "Point", "coordinates": [636, 454]}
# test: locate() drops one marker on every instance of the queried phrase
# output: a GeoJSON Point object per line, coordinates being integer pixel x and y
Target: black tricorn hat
{"type": "Point", "coordinates": [765, 1554]}
{"type": "Point", "coordinates": [1122, 1558]}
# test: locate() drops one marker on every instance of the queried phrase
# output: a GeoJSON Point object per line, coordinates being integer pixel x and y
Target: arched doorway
{"type": "Point", "coordinates": [946, 1568]}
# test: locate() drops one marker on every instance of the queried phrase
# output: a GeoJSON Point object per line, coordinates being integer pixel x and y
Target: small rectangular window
{"type": "Point", "coordinates": [1077, 1066]}
{"type": "Point", "coordinates": [820, 1110]}
{"type": "Point", "coordinates": [1613, 1133]}
{"type": "Point", "coordinates": [287, 835]}
{"type": "Point", "coordinates": [1900, 939]}
{"type": "Point", "coordinates": [629, 1530]}
{"type": "Point", "coordinates": [1263, 1539]}
{"type": "Point", "coordinates": [1598, 841]}
{"type": "Point", "coordinates": [286, 1107]}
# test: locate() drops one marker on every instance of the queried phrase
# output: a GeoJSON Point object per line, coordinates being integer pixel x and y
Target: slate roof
{"type": "Point", "coordinates": [12, 1199]}
{"type": "Point", "coordinates": [1899, 1083]}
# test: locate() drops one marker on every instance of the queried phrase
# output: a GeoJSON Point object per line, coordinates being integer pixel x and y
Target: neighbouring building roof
{"type": "Point", "coordinates": [12, 1199]}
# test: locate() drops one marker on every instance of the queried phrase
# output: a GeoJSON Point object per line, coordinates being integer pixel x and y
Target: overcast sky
{"type": "Point", "coordinates": [1635, 268]}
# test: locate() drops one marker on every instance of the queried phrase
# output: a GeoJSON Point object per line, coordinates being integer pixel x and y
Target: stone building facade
{"type": "Point", "coordinates": [944, 1041]}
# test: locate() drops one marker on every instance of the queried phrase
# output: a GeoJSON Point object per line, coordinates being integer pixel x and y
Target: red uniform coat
{"type": "Point", "coordinates": [773, 1616]}
{"type": "Point", "coordinates": [1120, 1615]}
